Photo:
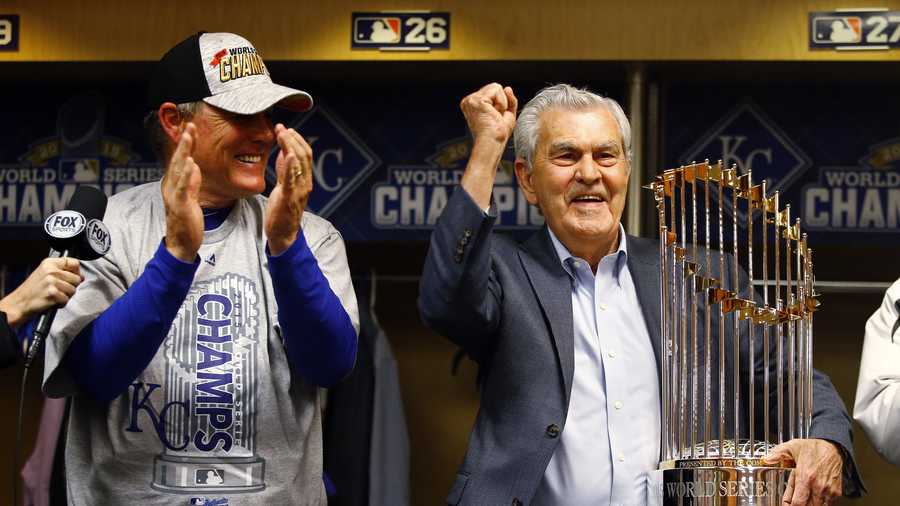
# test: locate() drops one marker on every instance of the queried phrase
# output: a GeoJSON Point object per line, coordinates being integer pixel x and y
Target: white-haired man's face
{"type": "Point", "coordinates": [579, 175]}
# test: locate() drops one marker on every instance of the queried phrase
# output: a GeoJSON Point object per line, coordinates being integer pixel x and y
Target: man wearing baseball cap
{"type": "Point", "coordinates": [196, 349]}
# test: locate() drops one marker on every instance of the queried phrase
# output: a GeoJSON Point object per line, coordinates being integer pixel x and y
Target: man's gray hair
{"type": "Point", "coordinates": [157, 137]}
{"type": "Point", "coordinates": [563, 96]}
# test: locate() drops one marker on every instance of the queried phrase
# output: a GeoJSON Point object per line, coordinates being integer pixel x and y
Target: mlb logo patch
{"type": "Point", "coordinates": [377, 30]}
{"type": "Point", "coordinates": [837, 29]}
{"type": "Point", "coordinates": [209, 476]}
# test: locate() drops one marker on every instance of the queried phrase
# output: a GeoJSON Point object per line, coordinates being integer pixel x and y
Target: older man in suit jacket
{"type": "Point", "coordinates": [565, 326]}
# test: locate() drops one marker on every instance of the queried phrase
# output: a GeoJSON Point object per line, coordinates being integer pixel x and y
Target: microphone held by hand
{"type": "Point", "coordinates": [77, 232]}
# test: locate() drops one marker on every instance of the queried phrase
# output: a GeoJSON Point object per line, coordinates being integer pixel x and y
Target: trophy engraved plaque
{"type": "Point", "coordinates": [737, 300]}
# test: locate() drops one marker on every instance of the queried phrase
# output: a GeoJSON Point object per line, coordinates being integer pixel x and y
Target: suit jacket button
{"type": "Point", "coordinates": [553, 430]}
{"type": "Point", "coordinates": [467, 233]}
{"type": "Point", "coordinates": [516, 502]}
{"type": "Point", "coordinates": [457, 259]}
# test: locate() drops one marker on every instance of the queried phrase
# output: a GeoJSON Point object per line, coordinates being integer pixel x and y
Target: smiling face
{"type": "Point", "coordinates": [232, 151]}
{"type": "Point", "coordinates": [579, 177]}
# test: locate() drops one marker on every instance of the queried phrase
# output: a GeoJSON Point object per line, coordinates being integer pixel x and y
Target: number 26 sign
{"type": "Point", "coordinates": [401, 31]}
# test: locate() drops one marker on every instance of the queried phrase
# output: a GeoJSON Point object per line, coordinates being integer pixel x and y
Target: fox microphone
{"type": "Point", "coordinates": [77, 232]}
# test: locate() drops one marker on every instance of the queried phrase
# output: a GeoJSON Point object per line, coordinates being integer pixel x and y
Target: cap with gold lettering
{"type": "Point", "coordinates": [223, 70]}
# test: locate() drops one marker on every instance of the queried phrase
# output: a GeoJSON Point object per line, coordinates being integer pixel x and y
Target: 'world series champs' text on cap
{"type": "Point", "coordinates": [223, 70]}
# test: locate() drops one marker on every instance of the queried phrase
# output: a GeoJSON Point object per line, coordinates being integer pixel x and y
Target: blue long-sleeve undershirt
{"type": "Point", "coordinates": [111, 351]}
{"type": "Point", "coordinates": [319, 337]}
{"type": "Point", "coordinates": [108, 354]}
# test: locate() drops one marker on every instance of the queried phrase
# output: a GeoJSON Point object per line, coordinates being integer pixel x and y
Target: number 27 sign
{"type": "Point", "coordinates": [854, 29]}
{"type": "Point", "coordinates": [401, 31]}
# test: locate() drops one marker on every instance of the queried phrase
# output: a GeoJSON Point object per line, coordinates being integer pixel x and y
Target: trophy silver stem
{"type": "Point", "coordinates": [789, 297]}
{"type": "Point", "coordinates": [675, 411]}
{"type": "Point", "coordinates": [765, 267]}
{"type": "Point", "coordinates": [751, 370]}
{"type": "Point", "coordinates": [664, 349]}
{"type": "Point", "coordinates": [721, 323]}
{"type": "Point", "coordinates": [736, 335]}
{"type": "Point", "coordinates": [811, 307]}
{"type": "Point", "coordinates": [663, 323]}
{"type": "Point", "coordinates": [801, 340]}
{"type": "Point", "coordinates": [694, 370]}
{"type": "Point", "coordinates": [707, 384]}
{"type": "Point", "coordinates": [685, 409]}
{"type": "Point", "coordinates": [779, 394]}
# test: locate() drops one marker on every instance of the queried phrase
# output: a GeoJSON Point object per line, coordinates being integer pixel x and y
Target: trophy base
{"type": "Point", "coordinates": [720, 482]}
{"type": "Point", "coordinates": [185, 475]}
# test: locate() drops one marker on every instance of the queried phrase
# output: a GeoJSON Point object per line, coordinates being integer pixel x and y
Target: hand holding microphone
{"type": "Point", "coordinates": [51, 284]}
{"type": "Point", "coordinates": [74, 233]}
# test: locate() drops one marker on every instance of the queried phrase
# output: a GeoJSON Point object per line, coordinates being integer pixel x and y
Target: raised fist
{"type": "Point", "coordinates": [491, 113]}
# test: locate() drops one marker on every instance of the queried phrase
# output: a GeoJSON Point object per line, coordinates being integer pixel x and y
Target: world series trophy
{"type": "Point", "coordinates": [736, 371]}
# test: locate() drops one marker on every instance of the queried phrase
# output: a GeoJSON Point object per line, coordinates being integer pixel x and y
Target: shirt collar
{"type": "Point", "coordinates": [564, 254]}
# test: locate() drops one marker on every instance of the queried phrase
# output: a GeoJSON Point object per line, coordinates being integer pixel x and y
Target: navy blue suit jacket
{"type": "Point", "coordinates": [509, 306]}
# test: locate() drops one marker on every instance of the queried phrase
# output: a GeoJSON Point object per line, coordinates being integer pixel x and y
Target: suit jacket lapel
{"type": "Point", "coordinates": [553, 290]}
{"type": "Point", "coordinates": [643, 263]}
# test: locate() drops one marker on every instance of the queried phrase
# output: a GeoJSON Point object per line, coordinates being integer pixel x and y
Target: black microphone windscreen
{"type": "Point", "coordinates": [88, 201]}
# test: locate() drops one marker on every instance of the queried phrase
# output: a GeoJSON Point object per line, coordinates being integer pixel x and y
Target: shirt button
{"type": "Point", "coordinates": [612, 354]}
{"type": "Point", "coordinates": [602, 306]}
{"type": "Point", "coordinates": [621, 457]}
{"type": "Point", "coordinates": [552, 430]}
{"type": "Point", "coordinates": [618, 404]}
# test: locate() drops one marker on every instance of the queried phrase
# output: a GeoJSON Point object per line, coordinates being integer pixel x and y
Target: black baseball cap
{"type": "Point", "coordinates": [223, 70]}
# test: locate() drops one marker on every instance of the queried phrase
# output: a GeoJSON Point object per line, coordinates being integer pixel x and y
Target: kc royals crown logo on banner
{"type": "Point", "coordinates": [737, 299]}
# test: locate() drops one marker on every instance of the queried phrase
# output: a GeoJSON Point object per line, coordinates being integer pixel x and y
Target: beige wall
{"type": "Point", "coordinates": [741, 30]}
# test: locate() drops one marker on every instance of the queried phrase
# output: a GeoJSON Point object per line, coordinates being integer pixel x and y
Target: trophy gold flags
{"type": "Point", "coordinates": [737, 300]}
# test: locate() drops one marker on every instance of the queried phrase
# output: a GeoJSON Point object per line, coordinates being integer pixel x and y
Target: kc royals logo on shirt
{"type": "Point", "coordinates": [207, 424]}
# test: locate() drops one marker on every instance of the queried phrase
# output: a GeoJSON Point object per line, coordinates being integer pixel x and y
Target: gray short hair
{"type": "Point", "coordinates": [157, 137]}
{"type": "Point", "coordinates": [563, 96]}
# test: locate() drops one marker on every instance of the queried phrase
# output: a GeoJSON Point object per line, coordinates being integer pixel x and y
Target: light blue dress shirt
{"type": "Point", "coordinates": [610, 441]}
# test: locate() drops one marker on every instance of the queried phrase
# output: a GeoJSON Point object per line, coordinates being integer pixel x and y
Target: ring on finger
{"type": "Point", "coordinates": [298, 172]}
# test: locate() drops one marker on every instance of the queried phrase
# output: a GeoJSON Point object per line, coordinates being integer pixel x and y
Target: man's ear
{"type": "Point", "coordinates": [523, 176]}
{"type": "Point", "coordinates": [171, 120]}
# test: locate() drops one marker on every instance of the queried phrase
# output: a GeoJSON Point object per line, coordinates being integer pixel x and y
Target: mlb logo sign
{"type": "Point", "coordinates": [376, 30]}
{"type": "Point", "coordinates": [750, 140]}
{"type": "Point", "coordinates": [80, 170]}
{"type": "Point", "coordinates": [837, 29]}
{"type": "Point", "coordinates": [400, 30]}
{"type": "Point", "coordinates": [341, 160]}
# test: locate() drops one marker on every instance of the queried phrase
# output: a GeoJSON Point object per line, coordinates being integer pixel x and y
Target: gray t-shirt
{"type": "Point", "coordinates": [217, 417]}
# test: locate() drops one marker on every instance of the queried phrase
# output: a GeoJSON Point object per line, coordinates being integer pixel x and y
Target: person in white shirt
{"type": "Point", "coordinates": [877, 406]}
